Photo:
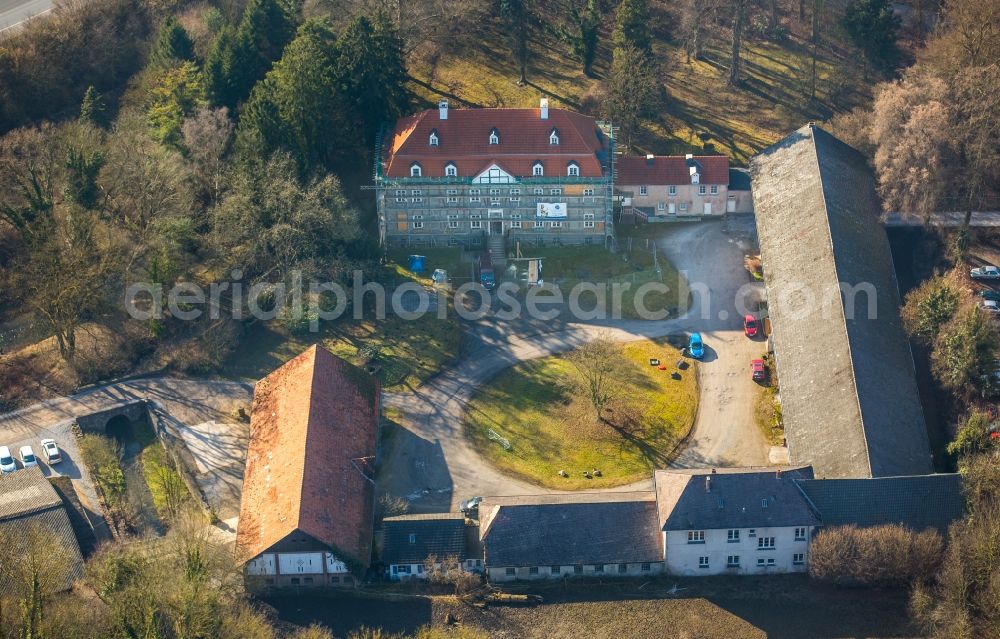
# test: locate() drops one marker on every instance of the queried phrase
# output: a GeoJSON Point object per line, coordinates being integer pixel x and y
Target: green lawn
{"type": "Point", "coordinates": [538, 406]}
{"type": "Point", "coordinates": [570, 265]}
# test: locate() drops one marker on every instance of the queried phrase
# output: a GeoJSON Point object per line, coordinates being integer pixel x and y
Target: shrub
{"type": "Point", "coordinates": [879, 556]}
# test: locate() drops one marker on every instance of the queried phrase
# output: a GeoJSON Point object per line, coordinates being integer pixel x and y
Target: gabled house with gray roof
{"type": "Point", "coordinates": [408, 540]}
{"type": "Point", "coordinates": [849, 395]}
{"type": "Point", "coordinates": [30, 506]}
{"type": "Point", "coordinates": [555, 536]}
{"type": "Point", "coordinates": [734, 521]}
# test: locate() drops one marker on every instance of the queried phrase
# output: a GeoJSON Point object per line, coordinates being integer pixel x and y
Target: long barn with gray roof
{"type": "Point", "coordinates": [849, 395]}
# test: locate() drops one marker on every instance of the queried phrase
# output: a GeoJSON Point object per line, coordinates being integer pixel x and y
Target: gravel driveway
{"type": "Point", "coordinates": [427, 459]}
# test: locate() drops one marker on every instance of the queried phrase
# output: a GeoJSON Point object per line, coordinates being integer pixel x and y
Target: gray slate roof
{"type": "Point", "coordinates": [27, 502]}
{"type": "Point", "coordinates": [927, 501]}
{"type": "Point", "coordinates": [441, 534]}
{"type": "Point", "coordinates": [732, 498]}
{"type": "Point", "coordinates": [848, 388]}
{"type": "Point", "coordinates": [571, 533]}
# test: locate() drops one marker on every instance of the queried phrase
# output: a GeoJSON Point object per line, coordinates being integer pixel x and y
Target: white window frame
{"type": "Point", "coordinates": [696, 536]}
{"type": "Point", "coordinates": [684, 206]}
{"type": "Point", "coordinates": [537, 170]}
{"type": "Point", "coordinates": [800, 534]}
{"type": "Point", "coordinates": [714, 190]}
{"type": "Point", "coordinates": [765, 543]}
{"type": "Point", "coordinates": [701, 190]}
{"type": "Point", "coordinates": [515, 191]}
{"type": "Point", "coordinates": [661, 206]}
{"type": "Point", "coordinates": [418, 199]}
{"type": "Point", "coordinates": [494, 138]}
{"type": "Point", "coordinates": [451, 170]}
{"type": "Point", "coordinates": [671, 190]}
{"type": "Point", "coordinates": [475, 191]}
{"type": "Point", "coordinates": [476, 224]}
{"type": "Point", "coordinates": [703, 562]}
{"type": "Point", "coordinates": [539, 191]}
{"type": "Point", "coordinates": [553, 138]}
{"type": "Point", "coordinates": [418, 225]}
{"type": "Point", "coordinates": [452, 199]}
{"type": "Point", "coordinates": [416, 192]}
{"type": "Point", "coordinates": [452, 191]}
{"type": "Point", "coordinates": [555, 192]}
{"type": "Point", "coordinates": [515, 224]}
{"type": "Point", "coordinates": [573, 170]}
{"type": "Point", "coordinates": [555, 225]}
{"type": "Point", "coordinates": [474, 200]}
{"type": "Point", "coordinates": [494, 191]}
{"type": "Point", "coordinates": [400, 200]}
{"type": "Point", "coordinates": [400, 192]}
{"type": "Point", "coordinates": [733, 561]}
{"type": "Point", "coordinates": [416, 171]}
{"type": "Point", "coordinates": [733, 535]}
{"type": "Point", "coordinates": [798, 559]}
{"type": "Point", "coordinates": [588, 191]}
{"type": "Point", "coordinates": [433, 140]}
{"type": "Point", "coordinates": [588, 224]}
{"type": "Point", "coordinates": [643, 190]}
{"type": "Point", "coordinates": [515, 199]}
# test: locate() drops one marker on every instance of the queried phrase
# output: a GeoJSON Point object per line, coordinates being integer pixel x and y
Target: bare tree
{"type": "Point", "coordinates": [448, 570]}
{"type": "Point", "coordinates": [599, 364]}
{"type": "Point", "coordinates": [207, 135]}
{"type": "Point", "coordinates": [739, 23]}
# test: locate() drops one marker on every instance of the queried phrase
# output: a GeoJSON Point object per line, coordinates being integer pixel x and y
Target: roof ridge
{"type": "Point", "coordinates": [847, 334]}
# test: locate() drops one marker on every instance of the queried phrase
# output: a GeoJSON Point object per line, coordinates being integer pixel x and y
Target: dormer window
{"type": "Point", "coordinates": [415, 170]}
{"type": "Point", "coordinates": [537, 169]}
{"type": "Point", "coordinates": [433, 139]}
{"type": "Point", "coordinates": [554, 137]}
{"type": "Point", "coordinates": [494, 137]}
{"type": "Point", "coordinates": [450, 170]}
{"type": "Point", "coordinates": [573, 169]}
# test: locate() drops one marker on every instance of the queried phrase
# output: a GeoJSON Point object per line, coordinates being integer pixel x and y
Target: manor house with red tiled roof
{"type": "Point", "coordinates": [465, 176]}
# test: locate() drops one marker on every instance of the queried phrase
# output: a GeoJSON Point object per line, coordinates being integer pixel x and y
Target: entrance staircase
{"type": "Point", "coordinates": [498, 247]}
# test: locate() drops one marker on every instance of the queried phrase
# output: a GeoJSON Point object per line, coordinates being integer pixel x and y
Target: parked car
{"type": "Point", "coordinates": [757, 370]}
{"type": "Point", "coordinates": [985, 273]}
{"type": "Point", "coordinates": [988, 294]}
{"type": "Point", "coordinates": [7, 464]}
{"type": "Point", "coordinates": [750, 326]}
{"type": "Point", "coordinates": [990, 306]}
{"type": "Point", "coordinates": [470, 507]}
{"type": "Point", "coordinates": [696, 347]}
{"type": "Point", "coordinates": [51, 451]}
{"type": "Point", "coordinates": [28, 458]}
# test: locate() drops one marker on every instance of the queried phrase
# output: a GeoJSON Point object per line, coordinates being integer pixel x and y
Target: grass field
{"type": "Point", "coordinates": [551, 425]}
{"type": "Point", "coordinates": [700, 112]}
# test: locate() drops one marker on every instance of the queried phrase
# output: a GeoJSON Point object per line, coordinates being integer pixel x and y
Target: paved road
{"type": "Point", "coordinates": [428, 460]}
{"type": "Point", "coordinates": [182, 403]}
{"type": "Point", "coordinates": [15, 12]}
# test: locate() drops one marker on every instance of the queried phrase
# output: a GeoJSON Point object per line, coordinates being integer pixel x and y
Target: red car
{"type": "Point", "coordinates": [757, 370]}
{"type": "Point", "coordinates": [750, 326]}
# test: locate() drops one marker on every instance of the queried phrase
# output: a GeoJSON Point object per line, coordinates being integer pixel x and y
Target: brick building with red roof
{"type": "Point", "coordinates": [468, 177]}
{"type": "Point", "coordinates": [660, 188]}
{"type": "Point", "coordinates": [307, 508]}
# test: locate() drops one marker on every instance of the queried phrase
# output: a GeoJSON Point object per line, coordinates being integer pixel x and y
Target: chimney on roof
{"type": "Point", "coordinates": [713, 471]}
{"type": "Point", "coordinates": [650, 158]}
{"type": "Point", "coordinates": [443, 109]}
{"type": "Point", "coordinates": [778, 474]}
{"type": "Point", "coordinates": [708, 484]}
{"type": "Point", "coordinates": [689, 156]}
{"type": "Point", "coordinates": [543, 107]}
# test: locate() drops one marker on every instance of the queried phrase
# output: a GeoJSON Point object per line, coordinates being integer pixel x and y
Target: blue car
{"type": "Point", "coordinates": [696, 347]}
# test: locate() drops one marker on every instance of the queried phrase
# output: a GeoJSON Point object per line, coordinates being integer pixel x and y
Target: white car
{"type": "Point", "coordinates": [985, 273]}
{"type": "Point", "coordinates": [991, 307]}
{"type": "Point", "coordinates": [28, 458]}
{"type": "Point", "coordinates": [51, 451]}
{"type": "Point", "coordinates": [7, 464]}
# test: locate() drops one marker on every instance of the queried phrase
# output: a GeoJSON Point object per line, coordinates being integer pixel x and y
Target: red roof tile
{"type": "Point", "coordinates": [671, 169]}
{"type": "Point", "coordinates": [524, 138]}
{"type": "Point", "coordinates": [313, 434]}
